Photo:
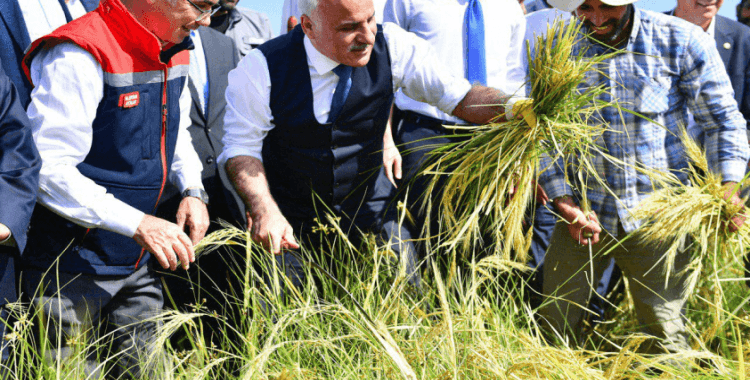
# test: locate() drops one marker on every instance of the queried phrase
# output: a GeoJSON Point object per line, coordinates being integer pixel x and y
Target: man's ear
{"type": "Point", "coordinates": [307, 26]}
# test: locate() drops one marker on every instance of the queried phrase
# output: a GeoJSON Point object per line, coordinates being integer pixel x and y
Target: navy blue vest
{"type": "Point", "coordinates": [134, 138]}
{"type": "Point", "coordinates": [307, 162]}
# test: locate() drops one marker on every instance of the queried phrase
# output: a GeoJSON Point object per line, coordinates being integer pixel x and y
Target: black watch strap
{"type": "Point", "coordinates": [197, 193]}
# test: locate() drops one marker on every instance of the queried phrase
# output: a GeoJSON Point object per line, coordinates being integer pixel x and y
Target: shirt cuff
{"type": "Point", "coordinates": [187, 179]}
{"type": "Point", "coordinates": [230, 152]}
{"type": "Point", "coordinates": [123, 218]}
{"type": "Point", "coordinates": [454, 95]}
{"type": "Point", "coordinates": [556, 187]}
{"type": "Point", "coordinates": [733, 171]}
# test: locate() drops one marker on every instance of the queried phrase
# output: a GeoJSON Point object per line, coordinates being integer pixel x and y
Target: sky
{"type": "Point", "coordinates": [272, 8]}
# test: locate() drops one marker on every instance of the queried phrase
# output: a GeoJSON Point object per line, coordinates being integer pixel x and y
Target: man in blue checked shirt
{"type": "Point", "coordinates": [667, 67]}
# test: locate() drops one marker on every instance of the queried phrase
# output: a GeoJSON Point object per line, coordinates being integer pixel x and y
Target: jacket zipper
{"type": "Point", "coordinates": [162, 148]}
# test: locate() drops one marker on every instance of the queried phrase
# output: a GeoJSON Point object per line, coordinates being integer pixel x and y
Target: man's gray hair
{"type": "Point", "coordinates": [306, 7]}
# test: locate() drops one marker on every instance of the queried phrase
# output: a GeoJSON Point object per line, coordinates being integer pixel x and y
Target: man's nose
{"type": "Point", "coordinates": [367, 35]}
{"type": "Point", "coordinates": [597, 18]}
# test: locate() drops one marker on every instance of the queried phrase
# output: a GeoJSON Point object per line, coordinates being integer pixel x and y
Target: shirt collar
{"type": "Point", "coordinates": [320, 62]}
{"type": "Point", "coordinates": [636, 26]}
{"type": "Point", "coordinates": [712, 27]}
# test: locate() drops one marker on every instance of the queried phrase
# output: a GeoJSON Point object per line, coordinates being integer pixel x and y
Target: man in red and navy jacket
{"type": "Point", "coordinates": [105, 114]}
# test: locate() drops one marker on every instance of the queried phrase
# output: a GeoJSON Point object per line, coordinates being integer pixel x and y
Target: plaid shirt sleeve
{"type": "Point", "coordinates": [552, 177]}
{"type": "Point", "coordinates": [707, 88]}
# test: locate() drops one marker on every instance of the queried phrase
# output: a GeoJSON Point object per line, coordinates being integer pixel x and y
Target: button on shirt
{"type": "Point", "coordinates": [44, 16]}
{"type": "Point", "coordinates": [673, 67]}
{"type": "Point", "coordinates": [415, 70]}
{"type": "Point", "coordinates": [442, 25]}
{"type": "Point", "coordinates": [69, 85]}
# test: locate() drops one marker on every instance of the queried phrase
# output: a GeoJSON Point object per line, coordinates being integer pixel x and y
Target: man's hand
{"type": "Point", "coordinates": [732, 195]}
{"type": "Point", "coordinates": [392, 163]}
{"type": "Point", "coordinates": [540, 196]}
{"type": "Point", "coordinates": [166, 241]}
{"type": "Point", "coordinates": [193, 214]}
{"type": "Point", "coordinates": [268, 227]}
{"type": "Point", "coordinates": [583, 228]}
{"type": "Point", "coordinates": [271, 230]}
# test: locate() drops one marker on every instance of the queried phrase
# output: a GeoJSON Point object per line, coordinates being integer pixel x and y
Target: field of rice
{"type": "Point", "coordinates": [470, 321]}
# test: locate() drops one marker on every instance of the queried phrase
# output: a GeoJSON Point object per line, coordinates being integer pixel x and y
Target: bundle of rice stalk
{"type": "Point", "coordinates": [489, 177]}
{"type": "Point", "coordinates": [698, 211]}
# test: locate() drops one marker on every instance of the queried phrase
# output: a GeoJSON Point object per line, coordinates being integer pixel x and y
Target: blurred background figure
{"type": "Point", "coordinates": [26, 20]}
{"type": "Point", "coordinates": [19, 181]}
{"type": "Point", "coordinates": [536, 5]}
{"type": "Point", "coordinates": [743, 12]}
{"type": "Point", "coordinates": [246, 27]}
{"type": "Point", "coordinates": [732, 41]}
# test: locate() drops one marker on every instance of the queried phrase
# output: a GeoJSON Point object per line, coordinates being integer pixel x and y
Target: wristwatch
{"type": "Point", "coordinates": [197, 193]}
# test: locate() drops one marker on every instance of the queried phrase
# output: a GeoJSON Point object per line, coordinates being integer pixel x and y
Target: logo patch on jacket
{"type": "Point", "coordinates": [130, 100]}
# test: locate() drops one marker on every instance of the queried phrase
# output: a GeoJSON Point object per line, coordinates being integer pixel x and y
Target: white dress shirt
{"type": "Point", "coordinates": [536, 26]}
{"type": "Point", "coordinates": [44, 16]}
{"type": "Point", "coordinates": [441, 23]}
{"type": "Point", "coordinates": [198, 72]}
{"type": "Point", "coordinates": [290, 8]}
{"type": "Point", "coordinates": [414, 67]}
{"type": "Point", "coordinates": [69, 84]}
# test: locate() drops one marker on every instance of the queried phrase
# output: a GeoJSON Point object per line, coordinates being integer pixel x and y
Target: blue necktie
{"type": "Point", "coordinates": [342, 90]}
{"type": "Point", "coordinates": [476, 64]}
{"type": "Point", "coordinates": [64, 6]}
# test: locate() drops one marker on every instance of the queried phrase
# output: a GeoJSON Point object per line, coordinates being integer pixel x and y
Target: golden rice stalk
{"type": "Point", "coordinates": [489, 177]}
{"type": "Point", "coordinates": [698, 211]}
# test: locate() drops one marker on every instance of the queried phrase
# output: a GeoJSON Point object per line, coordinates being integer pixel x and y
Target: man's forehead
{"type": "Point", "coordinates": [347, 7]}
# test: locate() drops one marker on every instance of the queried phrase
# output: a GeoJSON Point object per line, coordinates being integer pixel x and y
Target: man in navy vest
{"type": "Point", "coordinates": [105, 111]}
{"type": "Point", "coordinates": [19, 180]}
{"type": "Point", "coordinates": [306, 119]}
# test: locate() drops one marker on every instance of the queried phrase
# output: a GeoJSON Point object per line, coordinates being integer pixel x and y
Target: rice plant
{"type": "Point", "coordinates": [698, 211]}
{"type": "Point", "coordinates": [490, 175]}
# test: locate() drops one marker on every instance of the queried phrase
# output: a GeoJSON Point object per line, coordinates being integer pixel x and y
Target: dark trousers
{"type": "Point", "coordinates": [79, 309]}
{"type": "Point", "coordinates": [608, 288]}
{"type": "Point", "coordinates": [214, 281]}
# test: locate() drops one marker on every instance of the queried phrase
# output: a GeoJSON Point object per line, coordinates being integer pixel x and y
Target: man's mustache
{"type": "Point", "coordinates": [359, 47]}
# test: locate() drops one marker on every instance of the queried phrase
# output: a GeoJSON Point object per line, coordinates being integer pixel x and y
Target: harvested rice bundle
{"type": "Point", "coordinates": [699, 211]}
{"type": "Point", "coordinates": [489, 177]}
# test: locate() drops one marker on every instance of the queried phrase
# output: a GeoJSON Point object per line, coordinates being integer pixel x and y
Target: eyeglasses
{"type": "Point", "coordinates": [205, 13]}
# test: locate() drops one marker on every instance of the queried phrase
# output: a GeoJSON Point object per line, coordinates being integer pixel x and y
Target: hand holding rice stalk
{"type": "Point", "coordinates": [490, 177]}
{"type": "Point", "coordinates": [707, 211]}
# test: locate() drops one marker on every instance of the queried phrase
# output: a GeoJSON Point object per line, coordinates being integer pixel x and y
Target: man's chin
{"type": "Point", "coordinates": [359, 58]}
